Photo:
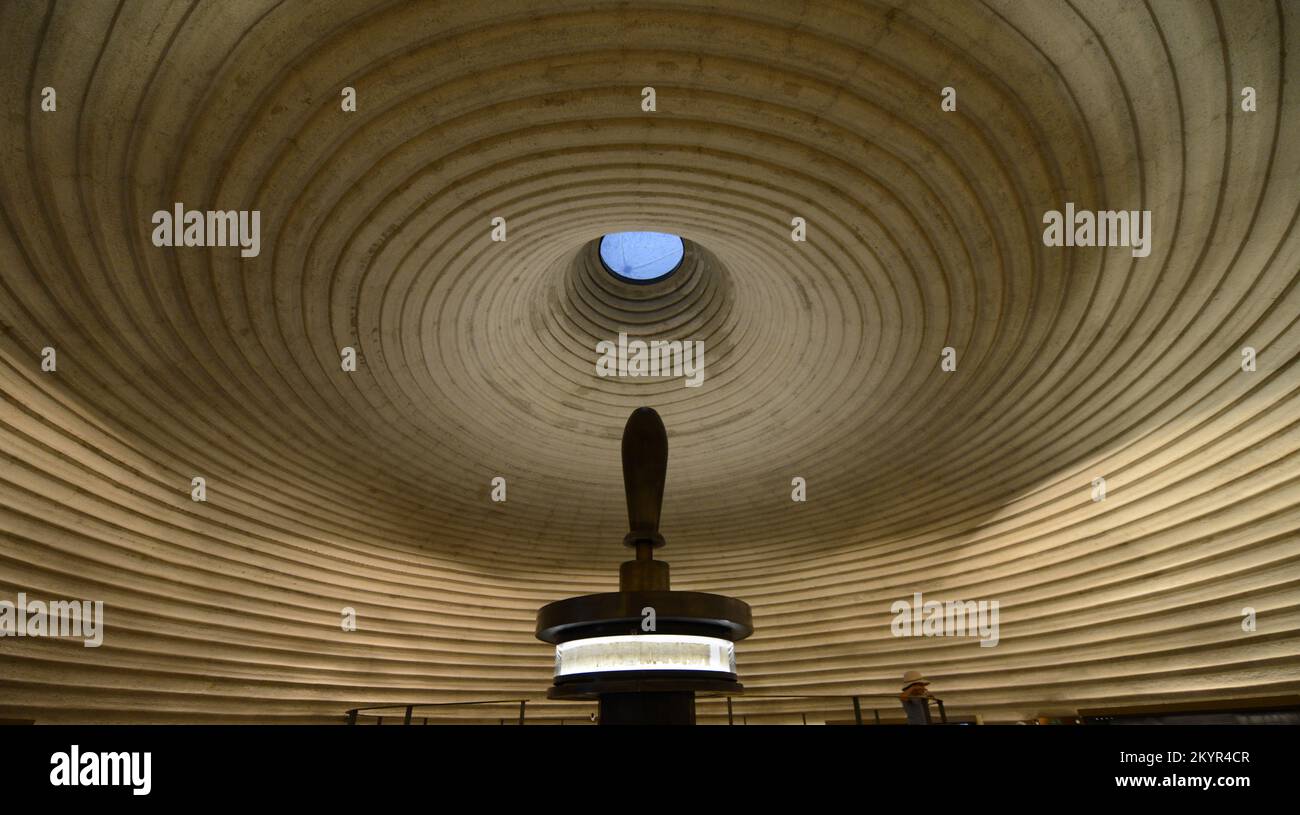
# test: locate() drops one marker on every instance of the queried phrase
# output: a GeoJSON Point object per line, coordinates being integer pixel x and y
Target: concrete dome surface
{"type": "Point", "coordinates": [949, 389]}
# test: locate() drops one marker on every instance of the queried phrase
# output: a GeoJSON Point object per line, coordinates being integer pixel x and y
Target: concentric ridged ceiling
{"type": "Point", "coordinates": [371, 489]}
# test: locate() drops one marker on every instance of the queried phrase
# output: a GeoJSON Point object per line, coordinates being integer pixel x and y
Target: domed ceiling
{"type": "Point", "coordinates": [949, 388]}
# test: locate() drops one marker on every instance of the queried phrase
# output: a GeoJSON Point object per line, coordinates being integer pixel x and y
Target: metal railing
{"type": "Point", "coordinates": [417, 713]}
{"type": "Point", "coordinates": [856, 699]}
{"type": "Point", "coordinates": [408, 711]}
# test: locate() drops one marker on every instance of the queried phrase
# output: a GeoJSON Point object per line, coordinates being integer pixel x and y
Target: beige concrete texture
{"type": "Point", "coordinates": [370, 489]}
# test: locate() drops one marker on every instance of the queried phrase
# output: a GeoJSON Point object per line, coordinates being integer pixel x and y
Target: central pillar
{"type": "Point", "coordinates": [645, 651]}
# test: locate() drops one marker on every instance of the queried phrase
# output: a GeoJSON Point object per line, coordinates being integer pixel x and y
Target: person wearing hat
{"type": "Point", "coordinates": [914, 684]}
{"type": "Point", "coordinates": [916, 698]}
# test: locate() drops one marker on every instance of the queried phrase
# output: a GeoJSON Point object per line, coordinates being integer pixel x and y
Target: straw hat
{"type": "Point", "coordinates": [913, 678]}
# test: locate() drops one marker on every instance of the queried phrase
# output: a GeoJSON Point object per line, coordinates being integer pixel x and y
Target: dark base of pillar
{"type": "Point", "coordinates": [674, 707]}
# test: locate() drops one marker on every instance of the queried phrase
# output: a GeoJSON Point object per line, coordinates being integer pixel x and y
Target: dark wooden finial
{"type": "Point", "coordinates": [645, 466]}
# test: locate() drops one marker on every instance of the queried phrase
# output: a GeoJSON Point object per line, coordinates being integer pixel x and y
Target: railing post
{"type": "Point", "coordinates": [352, 716]}
{"type": "Point", "coordinates": [857, 710]}
{"type": "Point", "coordinates": [943, 715]}
{"type": "Point", "coordinates": [407, 719]}
{"type": "Point", "coordinates": [522, 702]}
{"type": "Point", "coordinates": [876, 712]}
{"type": "Point", "coordinates": [730, 720]}
{"type": "Point", "coordinates": [381, 721]}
